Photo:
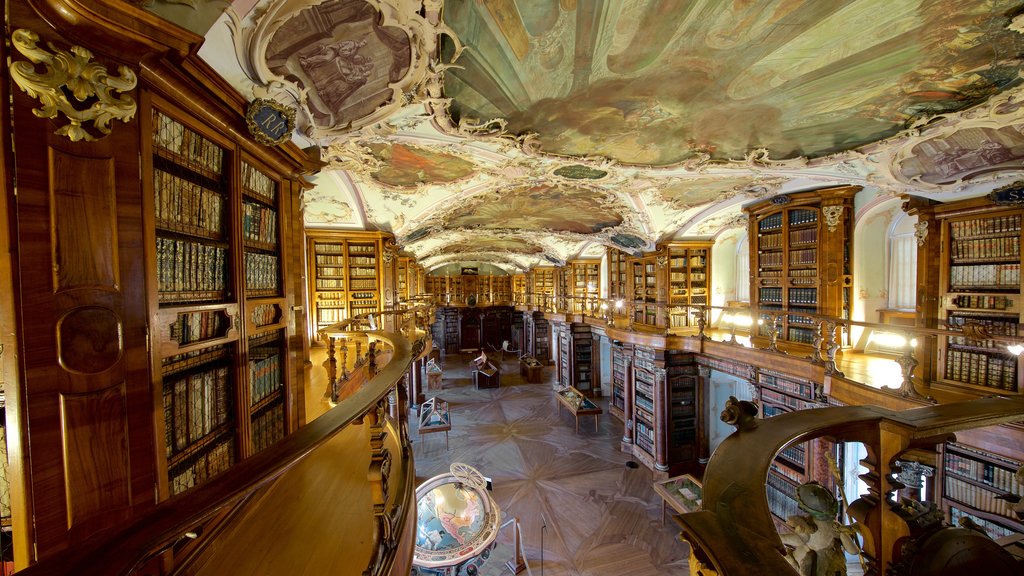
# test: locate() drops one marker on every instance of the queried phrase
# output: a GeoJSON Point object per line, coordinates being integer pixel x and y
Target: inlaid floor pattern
{"type": "Point", "coordinates": [602, 517]}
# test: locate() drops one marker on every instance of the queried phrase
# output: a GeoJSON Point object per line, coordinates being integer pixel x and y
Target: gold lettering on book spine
{"type": "Point", "coordinates": [72, 73]}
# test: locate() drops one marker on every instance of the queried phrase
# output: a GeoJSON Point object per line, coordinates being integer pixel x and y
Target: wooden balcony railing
{"type": "Point", "coordinates": [335, 497]}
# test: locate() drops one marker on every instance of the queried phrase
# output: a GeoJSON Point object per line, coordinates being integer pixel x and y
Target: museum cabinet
{"type": "Point", "coordinates": [800, 263]}
{"type": "Point", "coordinates": [160, 282]}
{"type": "Point", "coordinates": [347, 274]}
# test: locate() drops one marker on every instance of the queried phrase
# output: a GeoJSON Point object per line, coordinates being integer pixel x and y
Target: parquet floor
{"type": "Point", "coordinates": [596, 516]}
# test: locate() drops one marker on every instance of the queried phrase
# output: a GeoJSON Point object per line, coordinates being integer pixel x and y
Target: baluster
{"type": "Point", "coordinates": [377, 475]}
{"type": "Point", "coordinates": [331, 365]}
{"type": "Point", "coordinates": [702, 324]}
{"type": "Point", "coordinates": [371, 360]}
{"type": "Point", "coordinates": [344, 359]}
{"type": "Point", "coordinates": [774, 329]}
{"type": "Point", "coordinates": [819, 340]}
{"type": "Point", "coordinates": [908, 363]}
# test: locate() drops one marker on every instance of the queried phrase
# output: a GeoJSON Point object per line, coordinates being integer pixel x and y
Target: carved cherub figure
{"type": "Point", "coordinates": [818, 540]}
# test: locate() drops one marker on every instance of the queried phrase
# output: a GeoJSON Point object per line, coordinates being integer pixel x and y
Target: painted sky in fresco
{"type": "Point", "coordinates": [540, 208]}
{"type": "Point", "coordinates": [653, 81]}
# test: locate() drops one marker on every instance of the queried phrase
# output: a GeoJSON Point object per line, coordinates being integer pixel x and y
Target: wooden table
{"type": "Point", "coordinates": [434, 417]}
{"type": "Point", "coordinates": [530, 369]}
{"type": "Point", "coordinates": [578, 404]}
{"type": "Point", "coordinates": [684, 493]}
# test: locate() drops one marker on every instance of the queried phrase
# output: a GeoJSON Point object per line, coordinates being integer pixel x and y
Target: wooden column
{"type": "Point", "coordinates": [661, 414]}
{"type": "Point", "coordinates": [627, 407]}
{"type": "Point", "coordinates": [929, 260]}
{"type": "Point", "coordinates": [703, 399]}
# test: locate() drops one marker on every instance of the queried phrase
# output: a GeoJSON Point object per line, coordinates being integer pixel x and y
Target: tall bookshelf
{"type": "Point", "coordinates": [800, 261]}
{"type": "Point", "coordinates": [519, 288]}
{"type": "Point", "coordinates": [971, 481]}
{"type": "Point", "coordinates": [798, 463]}
{"type": "Point", "coordinates": [980, 288]}
{"type": "Point", "coordinates": [577, 357]}
{"type": "Point", "coordinates": [538, 336]}
{"type": "Point", "coordinates": [220, 300]}
{"type": "Point", "coordinates": [665, 416]}
{"type": "Point", "coordinates": [647, 290]}
{"type": "Point", "coordinates": [689, 279]}
{"type": "Point", "coordinates": [346, 276]}
{"type": "Point", "coordinates": [622, 363]}
{"type": "Point", "coordinates": [584, 284]}
{"type": "Point", "coordinates": [544, 284]}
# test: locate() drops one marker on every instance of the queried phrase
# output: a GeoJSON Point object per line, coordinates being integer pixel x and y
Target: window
{"type": "Point", "coordinates": [743, 269]}
{"type": "Point", "coordinates": [902, 282]}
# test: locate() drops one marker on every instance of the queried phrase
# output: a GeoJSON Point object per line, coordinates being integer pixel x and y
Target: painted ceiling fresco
{"type": "Point", "coordinates": [342, 56]}
{"type": "Point", "coordinates": [526, 133]}
{"type": "Point", "coordinates": [655, 81]}
{"type": "Point", "coordinates": [542, 207]}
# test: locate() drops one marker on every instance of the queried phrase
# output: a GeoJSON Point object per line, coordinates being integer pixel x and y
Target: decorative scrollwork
{"type": "Point", "coordinates": [921, 232]}
{"type": "Point", "coordinates": [74, 72]}
{"type": "Point", "coordinates": [832, 215]}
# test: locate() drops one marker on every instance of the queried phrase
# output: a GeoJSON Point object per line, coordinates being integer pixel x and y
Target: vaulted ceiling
{"type": "Point", "coordinates": [519, 133]}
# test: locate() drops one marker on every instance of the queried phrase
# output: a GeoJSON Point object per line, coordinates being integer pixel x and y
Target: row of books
{"type": "Point", "coordinates": [354, 272]}
{"type": "Point", "coordinates": [977, 497]}
{"type": "Point", "coordinates": [1006, 247]}
{"type": "Point", "coordinates": [362, 261]}
{"type": "Point", "coordinates": [976, 276]}
{"type": "Point", "coordinates": [994, 326]}
{"type": "Point", "coordinates": [330, 315]}
{"type": "Point", "coordinates": [770, 294]}
{"type": "Point", "coordinates": [362, 249]}
{"type": "Point", "coordinates": [806, 236]}
{"type": "Point", "coordinates": [330, 259]}
{"type": "Point", "coordinates": [781, 495]}
{"type": "Point", "coordinates": [981, 369]}
{"type": "Point", "coordinates": [769, 259]}
{"type": "Point", "coordinates": [777, 398]}
{"type": "Point", "coordinates": [183, 265]}
{"type": "Point", "coordinates": [643, 434]}
{"type": "Point", "coordinates": [363, 284]}
{"type": "Point", "coordinates": [258, 184]}
{"type": "Point", "coordinates": [328, 248]}
{"type": "Point", "coordinates": [798, 217]}
{"type": "Point", "coordinates": [680, 261]}
{"type": "Point", "coordinates": [983, 302]}
{"type": "Point", "coordinates": [267, 427]}
{"type": "Point", "coordinates": [264, 375]}
{"type": "Point", "coordinates": [338, 271]}
{"type": "Point", "coordinates": [172, 139]}
{"type": "Point", "coordinates": [803, 295]}
{"type": "Point", "coordinates": [200, 325]}
{"type": "Point", "coordinates": [801, 335]}
{"type": "Point", "coordinates": [770, 241]}
{"type": "Point", "coordinates": [264, 314]}
{"type": "Point", "coordinates": [984, 226]}
{"type": "Point", "coordinates": [259, 223]}
{"type": "Point", "coordinates": [183, 204]}
{"type": "Point", "coordinates": [195, 405]}
{"type": "Point", "coordinates": [794, 387]}
{"type": "Point", "coordinates": [787, 472]}
{"type": "Point", "coordinates": [1002, 479]}
{"type": "Point", "coordinates": [773, 222]}
{"type": "Point", "coordinates": [261, 271]}
{"type": "Point", "coordinates": [682, 276]}
{"type": "Point", "coordinates": [803, 257]}
{"type": "Point", "coordinates": [330, 284]}
{"type": "Point", "coordinates": [795, 454]}
{"type": "Point", "coordinates": [993, 529]}
{"type": "Point", "coordinates": [200, 468]}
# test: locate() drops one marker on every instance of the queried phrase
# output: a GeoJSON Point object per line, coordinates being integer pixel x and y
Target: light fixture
{"type": "Point", "coordinates": [1015, 349]}
{"type": "Point", "coordinates": [604, 306]}
{"type": "Point", "coordinates": [619, 304]}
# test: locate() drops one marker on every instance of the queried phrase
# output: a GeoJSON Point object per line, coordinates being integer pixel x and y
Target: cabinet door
{"type": "Point", "coordinates": [88, 399]}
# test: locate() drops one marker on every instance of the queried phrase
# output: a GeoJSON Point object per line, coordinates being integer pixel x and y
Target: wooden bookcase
{"type": "Point", "coordinates": [346, 275]}
{"type": "Point", "coordinates": [797, 463]}
{"type": "Point", "coordinates": [622, 367]}
{"type": "Point", "coordinates": [519, 287]}
{"type": "Point", "coordinates": [577, 358]}
{"type": "Point", "coordinates": [979, 276]}
{"type": "Point", "coordinates": [689, 279]}
{"type": "Point", "coordinates": [665, 416]}
{"type": "Point", "coordinates": [800, 260]}
{"type": "Point", "coordinates": [543, 282]}
{"type": "Point", "coordinates": [407, 278]}
{"type": "Point", "coordinates": [648, 290]}
{"type": "Point", "coordinates": [538, 336]}
{"type": "Point", "coordinates": [970, 481]}
{"type": "Point", "coordinates": [584, 283]}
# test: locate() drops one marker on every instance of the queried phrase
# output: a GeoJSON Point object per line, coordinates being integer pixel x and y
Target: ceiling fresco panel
{"type": "Point", "coordinates": [346, 61]}
{"type": "Point", "coordinates": [404, 165]}
{"type": "Point", "coordinates": [540, 208]}
{"type": "Point", "coordinates": [667, 80]}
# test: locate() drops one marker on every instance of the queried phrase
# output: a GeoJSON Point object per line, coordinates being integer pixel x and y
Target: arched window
{"type": "Point", "coordinates": [743, 269]}
{"type": "Point", "coordinates": [902, 282]}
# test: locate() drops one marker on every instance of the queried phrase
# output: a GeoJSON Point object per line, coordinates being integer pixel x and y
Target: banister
{"type": "Point", "coordinates": [122, 552]}
{"type": "Point", "coordinates": [734, 531]}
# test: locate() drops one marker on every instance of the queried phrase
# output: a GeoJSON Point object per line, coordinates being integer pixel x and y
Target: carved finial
{"type": "Point", "coordinates": [740, 413]}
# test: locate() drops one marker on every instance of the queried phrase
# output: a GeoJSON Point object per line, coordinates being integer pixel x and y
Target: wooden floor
{"type": "Point", "coordinates": [572, 492]}
{"type": "Point", "coordinates": [601, 517]}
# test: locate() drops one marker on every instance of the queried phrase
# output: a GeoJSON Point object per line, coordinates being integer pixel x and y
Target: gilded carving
{"type": "Point", "coordinates": [921, 232]}
{"type": "Point", "coordinates": [72, 71]}
{"type": "Point", "coordinates": [832, 216]}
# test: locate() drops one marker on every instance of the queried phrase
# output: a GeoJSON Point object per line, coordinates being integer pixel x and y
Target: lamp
{"type": "Point", "coordinates": [1015, 349]}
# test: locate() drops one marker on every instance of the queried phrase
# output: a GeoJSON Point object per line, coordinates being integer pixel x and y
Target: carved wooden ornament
{"type": "Point", "coordinates": [74, 72]}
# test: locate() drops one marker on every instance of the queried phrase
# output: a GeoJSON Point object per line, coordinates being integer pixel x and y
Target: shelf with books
{"type": "Point", "coordinates": [976, 483]}
{"type": "Point", "coordinates": [618, 275]}
{"type": "Point", "coordinates": [585, 284]}
{"type": "Point", "coordinates": [800, 260]}
{"type": "Point", "coordinates": [621, 366]}
{"type": "Point", "coordinates": [647, 290]}
{"type": "Point", "coordinates": [345, 277]}
{"type": "Point", "coordinates": [689, 277]}
{"type": "Point", "coordinates": [980, 294]}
